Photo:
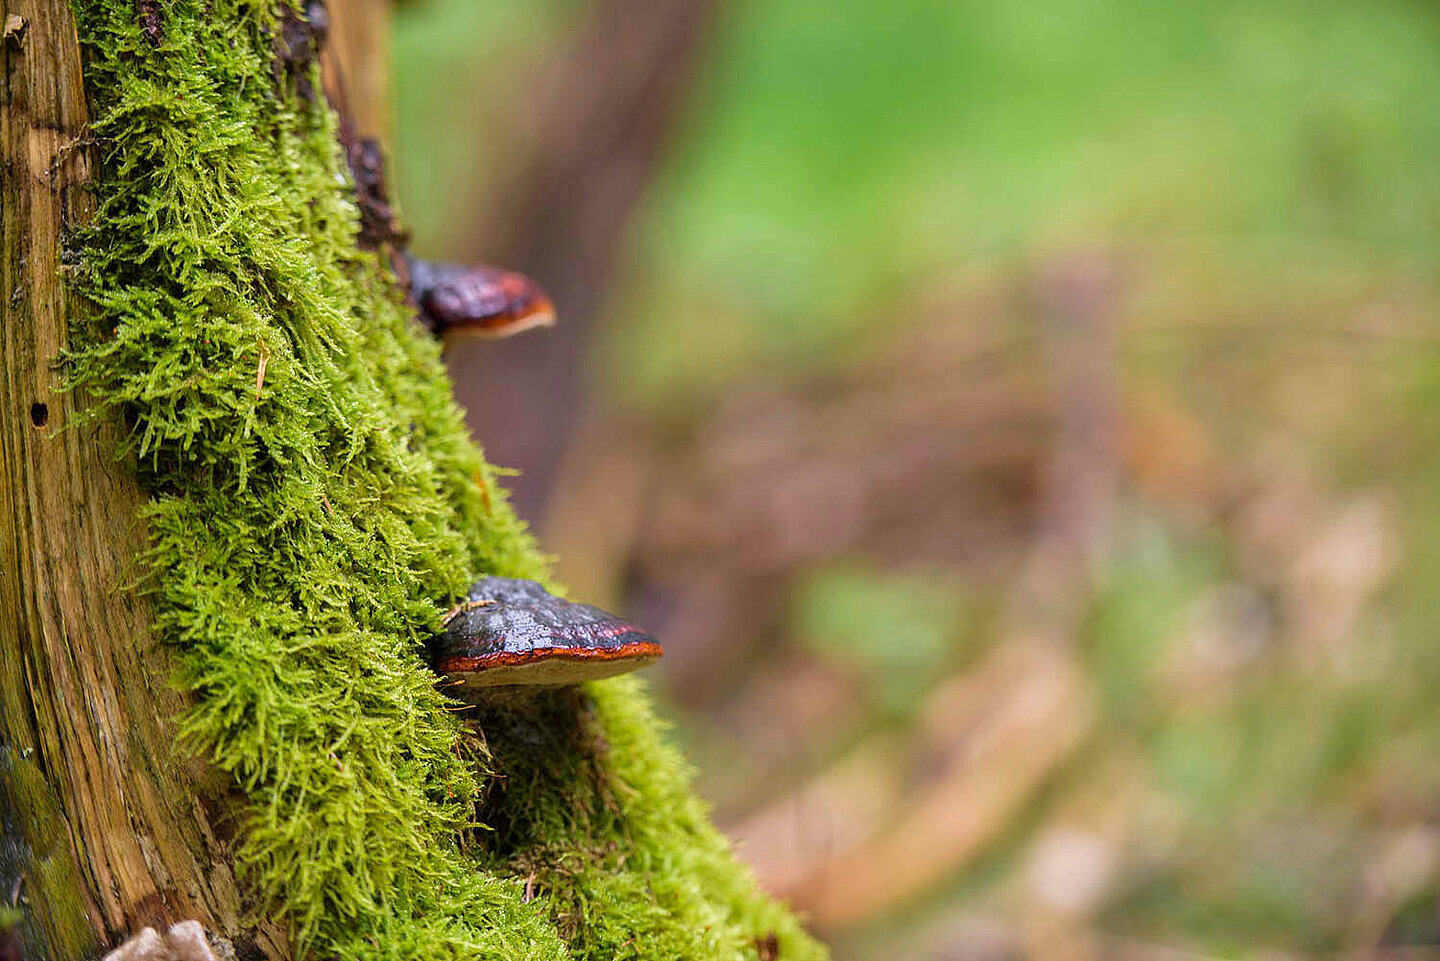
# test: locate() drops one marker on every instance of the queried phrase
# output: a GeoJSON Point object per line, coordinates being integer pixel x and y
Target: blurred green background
{"type": "Point", "coordinates": [1017, 419]}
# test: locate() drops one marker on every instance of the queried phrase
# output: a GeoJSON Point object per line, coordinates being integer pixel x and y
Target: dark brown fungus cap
{"type": "Point", "coordinates": [514, 632]}
{"type": "Point", "coordinates": [480, 301]}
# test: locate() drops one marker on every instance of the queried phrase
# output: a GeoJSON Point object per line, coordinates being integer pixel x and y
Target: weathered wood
{"type": "Point", "coordinates": [106, 827]}
{"type": "Point", "coordinates": [355, 64]}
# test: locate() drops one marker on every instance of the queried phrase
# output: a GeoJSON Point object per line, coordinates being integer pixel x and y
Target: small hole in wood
{"type": "Point", "coordinates": [39, 414]}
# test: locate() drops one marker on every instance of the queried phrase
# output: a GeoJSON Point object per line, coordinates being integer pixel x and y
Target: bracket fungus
{"type": "Point", "coordinates": [513, 632]}
{"type": "Point", "coordinates": [477, 301]}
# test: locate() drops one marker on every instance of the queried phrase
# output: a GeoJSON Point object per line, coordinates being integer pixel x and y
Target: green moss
{"type": "Point", "coordinates": [316, 504]}
{"type": "Point", "coordinates": [35, 863]}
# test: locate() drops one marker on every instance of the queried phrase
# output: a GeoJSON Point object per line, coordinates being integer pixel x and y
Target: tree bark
{"type": "Point", "coordinates": [104, 827]}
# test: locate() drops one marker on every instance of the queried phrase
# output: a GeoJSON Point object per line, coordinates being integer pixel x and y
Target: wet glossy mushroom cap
{"type": "Point", "coordinates": [479, 301]}
{"type": "Point", "coordinates": [514, 632]}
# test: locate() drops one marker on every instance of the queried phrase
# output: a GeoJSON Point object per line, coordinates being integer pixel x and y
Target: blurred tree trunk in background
{"type": "Point", "coordinates": [103, 829]}
{"type": "Point", "coordinates": [602, 120]}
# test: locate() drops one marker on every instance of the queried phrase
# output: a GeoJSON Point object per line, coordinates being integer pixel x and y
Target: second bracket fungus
{"type": "Point", "coordinates": [513, 632]}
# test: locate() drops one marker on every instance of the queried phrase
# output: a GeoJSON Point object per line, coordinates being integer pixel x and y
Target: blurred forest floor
{"type": "Point", "coordinates": [1018, 421]}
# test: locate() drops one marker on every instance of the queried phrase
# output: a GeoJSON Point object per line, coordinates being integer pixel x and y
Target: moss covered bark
{"type": "Point", "coordinates": [315, 504]}
{"type": "Point", "coordinates": [86, 850]}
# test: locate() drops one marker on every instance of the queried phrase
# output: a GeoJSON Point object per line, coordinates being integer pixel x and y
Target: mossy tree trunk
{"type": "Point", "coordinates": [103, 827]}
{"type": "Point", "coordinates": [296, 505]}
